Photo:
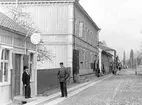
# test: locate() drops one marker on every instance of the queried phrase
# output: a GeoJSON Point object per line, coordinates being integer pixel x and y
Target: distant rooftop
{"type": "Point", "coordinates": [105, 48]}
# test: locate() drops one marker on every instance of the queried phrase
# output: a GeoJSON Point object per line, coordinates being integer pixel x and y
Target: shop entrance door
{"type": "Point", "coordinates": [17, 74]}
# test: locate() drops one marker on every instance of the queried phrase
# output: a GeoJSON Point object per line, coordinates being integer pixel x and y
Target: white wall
{"type": "Point", "coordinates": [5, 94]}
{"type": "Point", "coordinates": [55, 22]}
{"type": "Point", "coordinates": [59, 54]}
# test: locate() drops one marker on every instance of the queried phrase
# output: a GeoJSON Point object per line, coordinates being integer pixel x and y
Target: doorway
{"type": "Point", "coordinates": [75, 61]}
{"type": "Point", "coordinates": [17, 74]}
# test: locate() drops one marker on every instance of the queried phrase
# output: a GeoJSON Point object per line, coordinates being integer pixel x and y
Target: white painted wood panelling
{"type": "Point", "coordinates": [51, 18]}
{"type": "Point", "coordinates": [59, 53]}
{"type": "Point", "coordinates": [55, 39]}
{"type": "Point", "coordinates": [4, 94]}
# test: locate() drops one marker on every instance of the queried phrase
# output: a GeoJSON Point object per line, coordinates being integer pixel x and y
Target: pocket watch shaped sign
{"type": "Point", "coordinates": [35, 38]}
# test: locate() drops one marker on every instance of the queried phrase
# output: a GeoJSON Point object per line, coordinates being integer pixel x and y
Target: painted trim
{"type": "Point", "coordinates": [39, 2]}
{"type": "Point", "coordinates": [21, 71]}
{"type": "Point", "coordinates": [8, 82]}
{"type": "Point", "coordinates": [31, 51]}
{"type": "Point", "coordinates": [7, 47]}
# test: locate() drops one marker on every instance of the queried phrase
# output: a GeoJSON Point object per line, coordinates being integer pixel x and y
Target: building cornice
{"type": "Point", "coordinates": [37, 1]}
{"type": "Point", "coordinates": [82, 10]}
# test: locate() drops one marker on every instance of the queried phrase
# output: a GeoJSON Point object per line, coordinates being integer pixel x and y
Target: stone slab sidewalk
{"type": "Point", "coordinates": [56, 92]}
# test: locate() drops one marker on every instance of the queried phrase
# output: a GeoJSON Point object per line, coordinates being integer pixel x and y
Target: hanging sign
{"type": "Point", "coordinates": [35, 38]}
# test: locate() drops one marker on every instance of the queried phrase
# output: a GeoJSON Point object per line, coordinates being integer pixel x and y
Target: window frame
{"type": "Point", "coordinates": [81, 29]}
{"type": "Point", "coordinates": [8, 61]}
{"type": "Point", "coordinates": [32, 71]}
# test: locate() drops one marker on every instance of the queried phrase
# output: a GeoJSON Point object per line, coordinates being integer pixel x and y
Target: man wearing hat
{"type": "Point", "coordinates": [26, 82]}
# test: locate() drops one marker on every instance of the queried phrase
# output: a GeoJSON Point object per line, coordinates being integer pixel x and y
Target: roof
{"type": "Point", "coordinates": [12, 26]}
{"type": "Point", "coordinates": [105, 48]}
{"type": "Point", "coordinates": [107, 53]}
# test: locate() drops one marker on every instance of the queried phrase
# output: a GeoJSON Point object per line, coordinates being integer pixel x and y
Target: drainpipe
{"type": "Point", "coordinates": [114, 65]}
{"type": "Point", "coordinates": [99, 51]}
{"type": "Point", "coordinates": [100, 59]}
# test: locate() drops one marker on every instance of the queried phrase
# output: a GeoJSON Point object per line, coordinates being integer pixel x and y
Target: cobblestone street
{"type": "Point", "coordinates": [122, 89]}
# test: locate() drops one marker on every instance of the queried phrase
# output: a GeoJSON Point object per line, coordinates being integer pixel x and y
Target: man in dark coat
{"type": "Point", "coordinates": [26, 82]}
{"type": "Point", "coordinates": [63, 76]}
{"type": "Point", "coordinates": [98, 70]}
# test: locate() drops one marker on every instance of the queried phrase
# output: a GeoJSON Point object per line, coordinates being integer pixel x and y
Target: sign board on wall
{"type": "Point", "coordinates": [35, 38]}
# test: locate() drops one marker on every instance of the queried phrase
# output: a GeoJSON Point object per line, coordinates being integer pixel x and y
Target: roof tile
{"type": "Point", "coordinates": [6, 22]}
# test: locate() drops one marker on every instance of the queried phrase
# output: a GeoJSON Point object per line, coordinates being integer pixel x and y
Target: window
{"type": "Point", "coordinates": [31, 66]}
{"type": "Point", "coordinates": [81, 29]}
{"type": "Point", "coordinates": [84, 27]}
{"type": "Point", "coordinates": [4, 65]}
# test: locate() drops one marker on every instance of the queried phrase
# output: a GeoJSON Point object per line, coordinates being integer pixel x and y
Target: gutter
{"type": "Point", "coordinates": [13, 31]}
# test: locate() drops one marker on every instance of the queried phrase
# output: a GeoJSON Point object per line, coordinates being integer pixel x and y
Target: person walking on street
{"type": "Point", "coordinates": [63, 76]}
{"type": "Point", "coordinates": [98, 70]}
{"type": "Point", "coordinates": [26, 82]}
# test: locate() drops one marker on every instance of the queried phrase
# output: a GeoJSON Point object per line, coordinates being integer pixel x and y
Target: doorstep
{"type": "Point", "coordinates": [19, 99]}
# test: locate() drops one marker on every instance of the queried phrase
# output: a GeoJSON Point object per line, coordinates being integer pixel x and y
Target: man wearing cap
{"type": "Point", "coordinates": [63, 76]}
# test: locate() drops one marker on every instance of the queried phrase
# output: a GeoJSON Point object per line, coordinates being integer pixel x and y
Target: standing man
{"type": "Point", "coordinates": [94, 67]}
{"type": "Point", "coordinates": [26, 82]}
{"type": "Point", "coordinates": [63, 76]}
{"type": "Point", "coordinates": [98, 70]}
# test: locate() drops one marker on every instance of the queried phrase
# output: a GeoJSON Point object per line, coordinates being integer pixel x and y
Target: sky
{"type": "Point", "coordinates": [120, 22]}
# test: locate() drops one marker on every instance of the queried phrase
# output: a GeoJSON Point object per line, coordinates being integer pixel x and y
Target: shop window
{"type": "Point", "coordinates": [4, 65]}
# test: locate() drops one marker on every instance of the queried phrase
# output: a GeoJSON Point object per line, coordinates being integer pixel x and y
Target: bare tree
{"type": "Point", "coordinates": [24, 19]}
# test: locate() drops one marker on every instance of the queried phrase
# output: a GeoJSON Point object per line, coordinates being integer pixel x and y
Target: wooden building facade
{"type": "Point", "coordinates": [16, 51]}
{"type": "Point", "coordinates": [67, 31]}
